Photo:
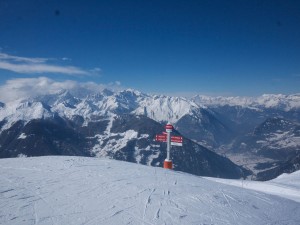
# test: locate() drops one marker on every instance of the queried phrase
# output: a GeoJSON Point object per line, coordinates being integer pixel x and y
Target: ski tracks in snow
{"type": "Point", "coordinates": [159, 207]}
{"type": "Point", "coordinates": [148, 202]}
{"type": "Point", "coordinates": [228, 202]}
{"type": "Point", "coordinates": [89, 191]}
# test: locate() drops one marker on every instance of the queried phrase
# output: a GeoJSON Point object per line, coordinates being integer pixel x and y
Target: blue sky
{"type": "Point", "coordinates": [175, 47]}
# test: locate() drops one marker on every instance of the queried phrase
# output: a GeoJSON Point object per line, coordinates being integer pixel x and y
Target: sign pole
{"type": "Point", "coordinates": [168, 161]}
{"type": "Point", "coordinates": [168, 145]}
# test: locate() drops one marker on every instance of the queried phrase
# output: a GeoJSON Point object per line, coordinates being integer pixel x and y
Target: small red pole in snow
{"type": "Point", "coordinates": [168, 161]}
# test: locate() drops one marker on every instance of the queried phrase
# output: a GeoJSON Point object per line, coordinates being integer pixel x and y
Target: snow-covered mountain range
{"type": "Point", "coordinates": [123, 124]}
{"type": "Point", "coordinates": [157, 107]}
{"type": "Point", "coordinates": [277, 101]}
{"type": "Point", "coordinates": [105, 103]}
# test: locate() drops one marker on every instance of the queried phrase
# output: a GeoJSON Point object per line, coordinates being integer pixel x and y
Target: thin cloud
{"type": "Point", "coordinates": [42, 68]}
{"type": "Point", "coordinates": [66, 59]}
{"type": "Point", "coordinates": [23, 88]}
{"type": "Point", "coordinates": [40, 65]}
{"type": "Point", "coordinates": [4, 56]}
{"type": "Point", "coordinates": [95, 71]}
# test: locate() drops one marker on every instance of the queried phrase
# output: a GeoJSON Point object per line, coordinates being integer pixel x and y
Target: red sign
{"type": "Point", "coordinates": [177, 139]}
{"type": "Point", "coordinates": [161, 137]}
{"type": "Point", "coordinates": [169, 128]}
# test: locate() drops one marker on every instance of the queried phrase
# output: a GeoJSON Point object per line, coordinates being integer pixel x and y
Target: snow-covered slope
{"type": "Point", "coordinates": [74, 190]}
{"type": "Point", "coordinates": [286, 185]}
{"type": "Point", "coordinates": [24, 111]}
{"type": "Point", "coordinates": [291, 180]}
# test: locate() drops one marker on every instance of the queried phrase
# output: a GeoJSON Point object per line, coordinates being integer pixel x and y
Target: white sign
{"type": "Point", "coordinates": [176, 143]}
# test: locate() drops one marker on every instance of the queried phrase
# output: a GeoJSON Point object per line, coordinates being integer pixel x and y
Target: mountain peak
{"type": "Point", "coordinates": [107, 92]}
{"type": "Point", "coordinates": [131, 91]}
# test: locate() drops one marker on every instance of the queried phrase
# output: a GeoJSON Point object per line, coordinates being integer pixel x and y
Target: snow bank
{"type": "Point", "coordinates": [286, 185]}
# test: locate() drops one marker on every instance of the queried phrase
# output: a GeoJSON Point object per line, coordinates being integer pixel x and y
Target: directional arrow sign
{"type": "Point", "coordinates": [161, 137]}
{"type": "Point", "coordinates": [177, 139]}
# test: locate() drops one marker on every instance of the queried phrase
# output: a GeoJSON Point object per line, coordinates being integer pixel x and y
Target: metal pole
{"type": "Point", "coordinates": [168, 161]}
{"type": "Point", "coordinates": [168, 145]}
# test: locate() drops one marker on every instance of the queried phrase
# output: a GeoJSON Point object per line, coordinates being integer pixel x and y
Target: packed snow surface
{"type": "Point", "coordinates": [77, 190]}
{"type": "Point", "coordinates": [286, 185]}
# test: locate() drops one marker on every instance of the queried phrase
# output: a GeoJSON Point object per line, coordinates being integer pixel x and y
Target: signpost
{"type": "Point", "coordinates": [161, 137]}
{"type": "Point", "coordinates": [175, 140]}
{"type": "Point", "coordinates": [171, 140]}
